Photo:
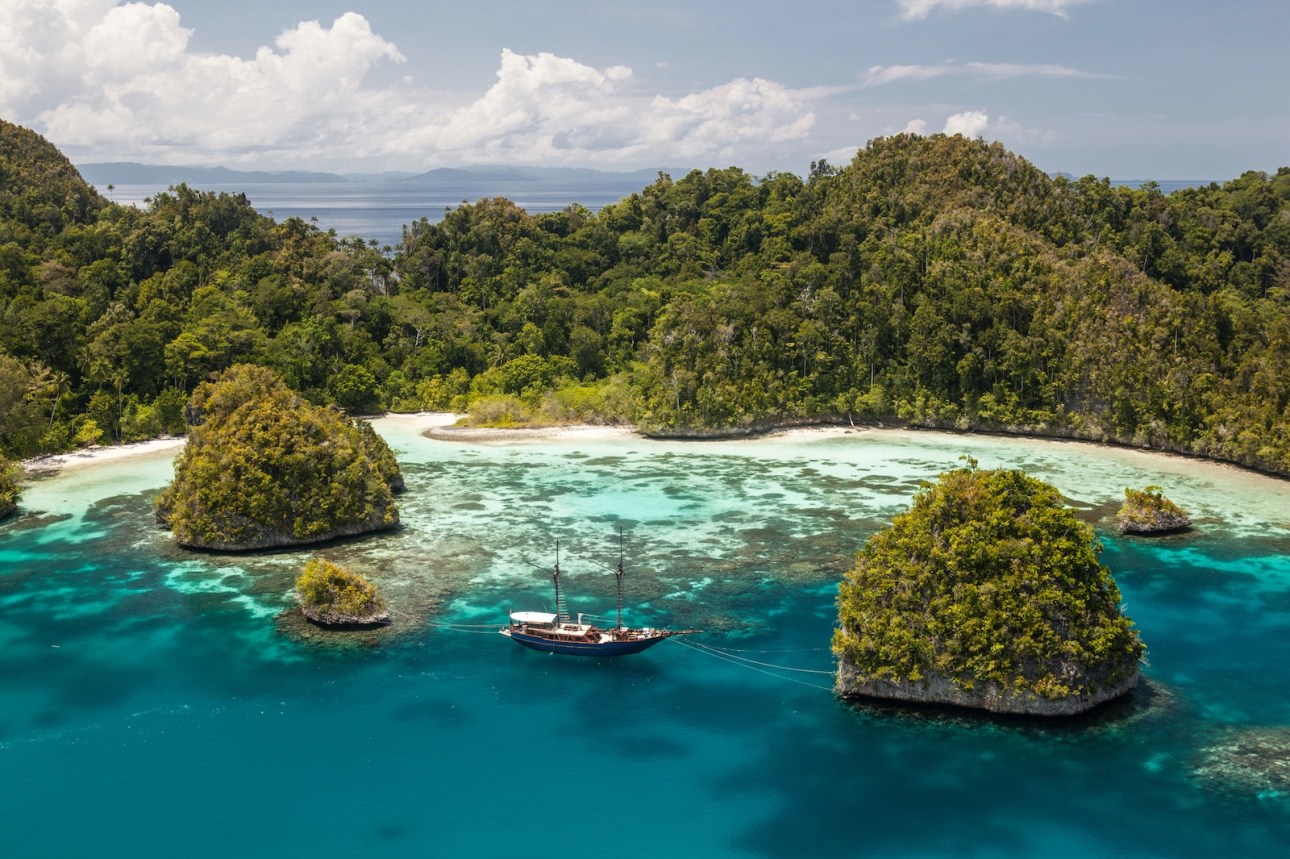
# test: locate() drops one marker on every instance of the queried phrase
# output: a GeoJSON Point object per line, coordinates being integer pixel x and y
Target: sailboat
{"type": "Point", "coordinates": [558, 633]}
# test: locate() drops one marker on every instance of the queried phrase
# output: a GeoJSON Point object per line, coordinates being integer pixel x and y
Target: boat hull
{"type": "Point", "coordinates": [583, 648]}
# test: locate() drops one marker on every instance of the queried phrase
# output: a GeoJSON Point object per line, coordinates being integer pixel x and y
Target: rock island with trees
{"type": "Point", "coordinates": [1148, 511]}
{"type": "Point", "coordinates": [263, 469]}
{"type": "Point", "coordinates": [987, 593]}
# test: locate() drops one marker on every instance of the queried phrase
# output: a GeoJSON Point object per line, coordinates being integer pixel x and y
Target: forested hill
{"type": "Point", "coordinates": [935, 281]}
{"type": "Point", "coordinates": [40, 191]}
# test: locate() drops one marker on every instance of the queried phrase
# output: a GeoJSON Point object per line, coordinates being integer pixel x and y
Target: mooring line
{"type": "Point", "coordinates": [755, 662]}
{"type": "Point", "coordinates": [471, 628]}
{"type": "Point", "coordinates": [744, 664]}
{"type": "Point", "coordinates": [786, 650]}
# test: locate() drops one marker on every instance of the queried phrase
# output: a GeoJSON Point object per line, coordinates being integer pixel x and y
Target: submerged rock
{"type": "Point", "coordinates": [1251, 763]}
{"type": "Point", "coordinates": [986, 594]}
{"type": "Point", "coordinates": [1148, 511]}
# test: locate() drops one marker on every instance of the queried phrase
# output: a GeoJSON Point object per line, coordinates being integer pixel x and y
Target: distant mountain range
{"type": "Point", "coordinates": [132, 173]}
{"type": "Point", "coordinates": [102, 174]}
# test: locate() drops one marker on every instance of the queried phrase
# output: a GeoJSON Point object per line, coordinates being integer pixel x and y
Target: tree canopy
{"type": "Point", "coordinates": [935, 281]}
{"type": "Point", "coordinates": [8, 488]}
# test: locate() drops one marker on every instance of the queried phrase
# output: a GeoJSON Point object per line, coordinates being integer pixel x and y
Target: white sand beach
{"type": "Point", "coordinates": [439, 425]}
{"type": "Point", "coordinates": [57, 462]}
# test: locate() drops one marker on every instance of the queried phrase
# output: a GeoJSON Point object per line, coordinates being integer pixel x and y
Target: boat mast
{"type": "Point", "coordinates": [561, 611]}
{"type": "Point", "coordinates": [618, 574]}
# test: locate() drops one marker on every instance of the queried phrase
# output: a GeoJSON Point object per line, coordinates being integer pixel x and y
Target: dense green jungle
{"type": "Point", "coordinates": [934, 281]}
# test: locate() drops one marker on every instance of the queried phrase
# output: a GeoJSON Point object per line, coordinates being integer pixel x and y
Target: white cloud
{"type": "Point", "coordinates": [134, 39]}
{"type": "Point", "coordinates": [556, 110]}
{"type": "Point", "coordinates": [714, 120]}
{"type": "Point", "coordinates": [108, 80]}
{"type": "Point", "coordinates": [970, 123]}
{"type": "Point", "coordinates": [842, 156]}
{"type": "Point", "coordinates": [917, 10]}
{"type": "Point", "coordinates": [535, 100]}
{"type": "Point", "coordinates": [978, 123]}
{"type": "Point", "coordinates": [41, 49]}
{"type": "Point", "coordinates": [1006, 128]}
{"type": "Point", "coordinates": [883, 75]}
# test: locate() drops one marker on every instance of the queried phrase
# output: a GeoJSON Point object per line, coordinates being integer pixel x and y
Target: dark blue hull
{"type": "Point", "coordinates": [585, 648]}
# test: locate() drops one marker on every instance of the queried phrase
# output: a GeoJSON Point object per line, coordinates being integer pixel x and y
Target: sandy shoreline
{"type": "Point", "coordinates": [56, 462]}
{"type": "Point", "coordinates": [485, 435]}
{"type": "Point", "coordinates": [435, 425]}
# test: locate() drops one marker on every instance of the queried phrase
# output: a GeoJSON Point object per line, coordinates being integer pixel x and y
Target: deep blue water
{"type": "Point", "coordinates": [379, 210]}
{"type": "Point", "coordinates": [152, 702]}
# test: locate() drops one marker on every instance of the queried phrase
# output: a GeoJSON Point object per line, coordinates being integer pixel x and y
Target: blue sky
{"type": "Point", "coordinates": [1130, 89]}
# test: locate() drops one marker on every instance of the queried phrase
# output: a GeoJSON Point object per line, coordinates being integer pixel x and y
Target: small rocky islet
{"type": "Point", "coordinates": [1147, 512]}
{"type": "Point", "coordinates": [336, 598]}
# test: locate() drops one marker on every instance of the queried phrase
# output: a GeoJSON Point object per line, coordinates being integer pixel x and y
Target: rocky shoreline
{"type": "Point", "coordinates": [331, 619]}
{"type": "Point", "coordinates": [939, 690]}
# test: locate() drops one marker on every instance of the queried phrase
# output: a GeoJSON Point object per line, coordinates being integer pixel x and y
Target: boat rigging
{"type": "Point", "coordinates": [558, 633]}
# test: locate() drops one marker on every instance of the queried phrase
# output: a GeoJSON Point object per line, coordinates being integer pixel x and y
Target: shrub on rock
{"type": "Point", "coordinates": [1148, 511]}
{"type": "Point", "coordinates": [330, 595]}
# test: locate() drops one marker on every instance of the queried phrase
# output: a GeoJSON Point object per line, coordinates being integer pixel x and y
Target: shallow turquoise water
{"type": "Point", "coordinates": [150, 702]}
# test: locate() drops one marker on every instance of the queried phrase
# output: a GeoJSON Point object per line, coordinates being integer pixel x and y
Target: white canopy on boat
{"type": "Point", "coordinates": [532, 617]}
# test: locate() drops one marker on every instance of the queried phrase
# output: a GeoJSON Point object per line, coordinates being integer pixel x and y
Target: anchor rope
{"type": "Point", "coordinates": [717, 650]}
{"type": "Point", "coordinates": [472, 628]}
{"type": "Point", "coordinates": [745, 664]}
{"type": "Point", "coordinates": [786, 650]}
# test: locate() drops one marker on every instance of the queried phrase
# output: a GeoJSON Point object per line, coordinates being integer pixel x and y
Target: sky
{"type": "Point", "coordinates": [1127, 89]}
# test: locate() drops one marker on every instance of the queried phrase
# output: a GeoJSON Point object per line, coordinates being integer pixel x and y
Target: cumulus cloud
{"type": "Point", "coordinates": [118, 80]}
{"type": "Point", "coordinates": [553, 109]}
{"type": "Point", "coordinates": [978, 123]}
{"type": "Point", "coordinates": [970, 123]}
{"type": "Point", "coordinates": [883, 75]}
{"type": "Point", "coordinates": [917, 10]}
{"type": "Point", "coordinates": [842, 156]}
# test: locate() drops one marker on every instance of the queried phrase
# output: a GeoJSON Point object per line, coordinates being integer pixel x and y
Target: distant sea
{"type": "Point", "coordinates": [153, 702]}
{"type": "Point", "coordinates": [379, 210]}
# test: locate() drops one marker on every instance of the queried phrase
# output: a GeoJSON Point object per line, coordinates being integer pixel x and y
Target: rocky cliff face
{"type": "Point", "coordinates": [340, 620]}
{"type": "Point", "coordinates": [254, 538]}
{"type": "Point", "coordinates": [988, 696]}
{"type": "Point", "coordinates": [1155, 522]}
